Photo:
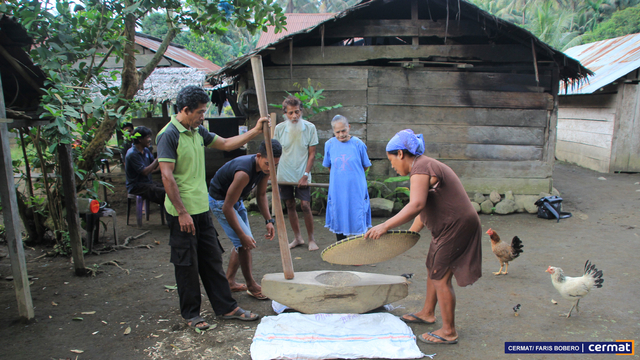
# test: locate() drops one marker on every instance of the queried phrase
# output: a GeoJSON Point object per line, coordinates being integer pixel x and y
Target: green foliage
{"type": "Point", "coordinates": [217, 48]}
{"type": "Point", "coordinates": [622, 23]}
{"type": "Point", "coordinates": [564, 24]}
{"type": "Point", "coordinates": [72, 41]}
{"type": "Point", "coordinates": [310, 98]}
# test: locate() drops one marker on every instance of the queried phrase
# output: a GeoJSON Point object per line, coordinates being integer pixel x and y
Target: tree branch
{"type": "Point", "coordinates": [148, 69]}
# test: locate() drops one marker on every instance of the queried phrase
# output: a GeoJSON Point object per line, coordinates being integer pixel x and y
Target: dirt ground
{"type": "Point", "coordinates": [605, 228]}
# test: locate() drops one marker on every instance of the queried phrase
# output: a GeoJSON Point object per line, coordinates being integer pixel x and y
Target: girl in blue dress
{"type": "Point", "coordinates": [348, 209]}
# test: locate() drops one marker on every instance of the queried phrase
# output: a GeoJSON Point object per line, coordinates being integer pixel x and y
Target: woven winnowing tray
{"type": "Point", "coordinates": [356, 250]}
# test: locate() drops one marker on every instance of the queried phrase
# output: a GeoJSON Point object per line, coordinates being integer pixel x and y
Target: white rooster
{"type": "Point", "coordinates": [575, 288]}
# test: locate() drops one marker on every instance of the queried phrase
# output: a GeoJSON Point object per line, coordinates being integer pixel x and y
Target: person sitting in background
{"type": "Point", "coordinates": [139, 164]}
{"type": "Point", "coordinates": [348, 209]}
{"type": "Point", "coordinates": [230, 185]}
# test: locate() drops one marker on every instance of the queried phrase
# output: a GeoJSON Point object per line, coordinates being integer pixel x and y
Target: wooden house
{"type": "Point", "coordinates": [598, 121]}
{"type": "Point", "coordinates": [482, 91]}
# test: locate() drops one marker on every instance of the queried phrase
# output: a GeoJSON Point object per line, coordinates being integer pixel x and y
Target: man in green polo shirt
{"type": "Point", "coordinates": [196, 252]}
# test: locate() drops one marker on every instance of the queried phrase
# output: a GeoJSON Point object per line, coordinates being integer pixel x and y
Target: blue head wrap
{"type": "Point", "coordinates": [407, 140]}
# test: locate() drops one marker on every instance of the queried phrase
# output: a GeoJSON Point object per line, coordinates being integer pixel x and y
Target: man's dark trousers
{"type": "Point", "coordinates": [198, 257]}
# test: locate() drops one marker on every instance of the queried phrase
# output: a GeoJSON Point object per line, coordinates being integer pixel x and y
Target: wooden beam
{"type": "Point", "coordinates": [312, 55]}
{"type": "Point", "coordinates": [393, 28]}
{"type": "Point", "coordinates": [71, 205]}
{"type": "Point", "coordinates": [496, 135]}
{"type": "Point", "coordinates": [407, 116]}
{"type": "Point", "coordinates": [415, 40]}
{"type": "Point", "coordinates": [326, 84]}
{"type": "Point", "coordinates": [12, 222]}
{"type": "Point", "coordinates": [285, 252]}
{"type": "Point", "coordinates": [426, 79]}
{"type": "Point", "coordinates": [518, 186]}
{"type": "Point", "coordinates": [344, 97]}
{"type": "Point", "coordinates": [314, 72]}
{"type": "Point", "coordinates": [459, 98]}
{"type": "Point", "coordinates": [355, 115]}
{"type": "Point", "coordinates": [376, 150]}
{"type": "Point", "coordinates": [500, 169]}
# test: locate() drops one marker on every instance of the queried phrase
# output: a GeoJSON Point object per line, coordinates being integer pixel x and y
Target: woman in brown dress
{"type": "Point", "coordinates": [438, 201]}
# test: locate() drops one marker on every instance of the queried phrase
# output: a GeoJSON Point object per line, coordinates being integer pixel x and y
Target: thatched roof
{"type": "Point", "coordinates": [165, 83]}
{"type": "Point", "coordinates": [496, 31]}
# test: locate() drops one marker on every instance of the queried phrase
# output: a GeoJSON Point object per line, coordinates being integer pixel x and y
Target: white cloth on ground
{"type": "Point", "coordinates": [329, 336]}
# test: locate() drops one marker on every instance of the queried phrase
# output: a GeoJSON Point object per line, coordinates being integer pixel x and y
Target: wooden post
{"type": "Point", "coordinates": [12, 221]}
{"type": "Point", "coordinates": [71, 204]}
{"type": "Point", "coordinates": [165, 109]}
{"type": "Point", "coordinates": [285, 253]}
{"type": "Point", "coordinates": [274, 122]}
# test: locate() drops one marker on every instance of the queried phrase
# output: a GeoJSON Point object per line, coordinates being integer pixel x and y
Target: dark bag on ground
{"type": "Point", "coordinates": [550, 207]}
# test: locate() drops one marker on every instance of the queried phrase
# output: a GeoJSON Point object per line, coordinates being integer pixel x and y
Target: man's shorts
{"type": "Point", "coordinates": [287, 192]}
{"type": "Point", "coordinates": [241, 213]}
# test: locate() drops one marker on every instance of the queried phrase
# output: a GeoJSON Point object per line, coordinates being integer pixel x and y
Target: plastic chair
{"type": "Point", "coordinates": [142, 206]}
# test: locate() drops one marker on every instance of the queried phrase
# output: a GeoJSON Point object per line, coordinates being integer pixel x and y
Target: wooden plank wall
{"type": "Point", "coordinates": [489, 127]}
{"type": "Point", "coordinates": [585, 130]}
{"type": "Point", "coordinates": [625, 145]}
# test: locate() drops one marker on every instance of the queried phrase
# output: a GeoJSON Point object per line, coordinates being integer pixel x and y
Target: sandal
{"type": "Point", "coordinates": [414, 319]}
{"type": "Point", "coordinates": [257, 295]}
{"type": "Point", "coordinates": [442, 340]}
{"type": "Point", "coordinates": [195, 321]}
{"type": "Point", "coordinates": [241, 314]}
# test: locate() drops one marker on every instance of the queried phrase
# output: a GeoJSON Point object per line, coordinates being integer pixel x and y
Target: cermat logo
{"type": "Point", "coordinates": [620, 347]}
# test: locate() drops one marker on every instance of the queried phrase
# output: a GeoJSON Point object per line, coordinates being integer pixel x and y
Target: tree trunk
{"type": "Point", "coordinates": [32, 221]}
{"type": "Point", "coordinates": [132, 81]}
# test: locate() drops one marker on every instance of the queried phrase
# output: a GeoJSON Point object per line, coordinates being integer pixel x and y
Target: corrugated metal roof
{"type": "Point", "coordinates": [609, 59]}
{"type": "Point", "coordinates": [180, 55]}
{"type": "Point", "coordinates": [295, 23]}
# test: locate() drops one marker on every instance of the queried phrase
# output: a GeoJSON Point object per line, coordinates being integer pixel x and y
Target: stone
{"type": "Point", "coordinates": [381, 207]}
{"type": "Point", "coordinates": [397, 206]}
{"type": "Point", "coordinates": [529, 204]}
{"type": "Point", "coordinates": [378, 189]}
{"type": "Point", "coordinates": [486, 207]}
{"type": "Point", "coordinates": [509, 195]}
{"type": "Point", "coordinates": [543, 194]}
{"type": "Point", "coordinates": [476, 206]}
{"type": "Point", "coordinates": [334, 292]}
{"type": "Point", "coordinates": [555, 192]}
{"type": "Point", "coordinates": [520, 199]}
{"type": "Point", "coordinates": [495, 197]}
{"type": "Point", "coordinates": [505, 207]}
{"type": "Point", "coordinates": [479, 198]}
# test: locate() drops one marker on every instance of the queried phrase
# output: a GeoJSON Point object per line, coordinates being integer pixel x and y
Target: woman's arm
{"type": "Point", "coordinates": [417, 202]}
